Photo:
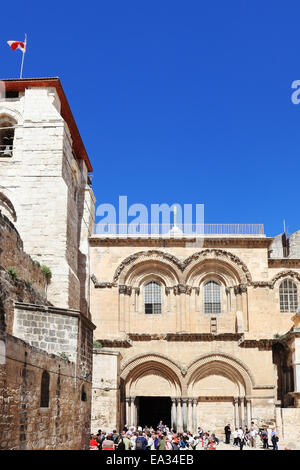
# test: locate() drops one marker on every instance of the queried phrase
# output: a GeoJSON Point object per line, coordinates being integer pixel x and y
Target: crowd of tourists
{"type": "Point", "coordinates": [165, 438]}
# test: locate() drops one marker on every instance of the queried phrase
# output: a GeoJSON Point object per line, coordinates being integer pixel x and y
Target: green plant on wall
{"type": "Point", "coordinates": [97, 344]}
{"type": "Point", "coordinates": [13, 272]}
{"type": "Point", "coordinates": [64, 356]}
{"type": "Point", "coordinates": [47, 272]}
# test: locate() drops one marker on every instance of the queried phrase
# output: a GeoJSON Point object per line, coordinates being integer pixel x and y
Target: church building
{"type": "Point", "coordinates": [196, 330]}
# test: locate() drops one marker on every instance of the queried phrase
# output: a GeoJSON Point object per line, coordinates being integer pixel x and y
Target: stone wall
{"type": "Point", "coordinates": [106, 396]}
{"type": "Point", "coordinates": [291, 425]}
{"type": "Point", "coordinates": [15, 289]}
{"type": "Point", "coordinates": [65, 424]}
{"type": "Point", "coordinates": [12, 255]}
{"type": "Point", "coordinates": [53, 330]}
{"type": "Point", "coordinates": [294, 245]}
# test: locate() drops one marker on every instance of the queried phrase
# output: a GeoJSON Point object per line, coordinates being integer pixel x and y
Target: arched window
{"type": "Point", "coordinates": [45, 386]}
{"type": "Point", "coordinates": [288, 294]}
{"type": "Point", "coordinates": [212, 297]}
{"type": "Point", "coordinates": [7, 133]}
{"type": "Point", "coordinates": [152, 297]}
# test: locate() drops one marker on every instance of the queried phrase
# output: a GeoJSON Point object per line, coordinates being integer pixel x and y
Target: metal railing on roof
{"type": "Point", "coordinates": [178, 229]}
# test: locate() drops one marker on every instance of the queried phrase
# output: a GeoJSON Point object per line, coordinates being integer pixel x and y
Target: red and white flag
{"type": "Point", "coordinates": [14, 45]}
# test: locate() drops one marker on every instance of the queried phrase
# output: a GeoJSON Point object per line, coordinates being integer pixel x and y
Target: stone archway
{"type": "Point", "coordinates": [150, 381]}
{"type": "Point", "coordinates": [220, 386]}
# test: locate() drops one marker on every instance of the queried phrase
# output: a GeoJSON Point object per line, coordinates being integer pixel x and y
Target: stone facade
{"type": "Point", "coordinates": [46, 179]}
{"type": "Point", "coordinates": [24, 424]}
{"type": "Point", "coordinates": [46, 216]}
{"type": "Point", "coordinates": [213, 368]}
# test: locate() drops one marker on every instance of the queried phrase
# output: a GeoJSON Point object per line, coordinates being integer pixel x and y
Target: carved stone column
{"type": "Point", "coordinates": [190, 414]}
{"type": "Point", "coordinates": [122, 308]}
{"type": "Point", "coordinates": [236, 412]}
{"type": "Point", "coordinates": [179, 415]}
{"type": "Point", "coordinates": [173, 414]}
{"type": "Point", "coordinates": [184, 413]}
{"type": "Point", "coordinates": [195, 415]}
{"type": "Point", "coordinates": [133, 411]}
{"type": "Point", "coordinates": [248, 412]}
{"type": "Point", "coordinates": [127, 411]}
{"type": "Point", "coordinates": [242, 405]}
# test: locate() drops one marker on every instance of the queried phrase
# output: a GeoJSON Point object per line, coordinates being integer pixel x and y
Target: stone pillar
{"type": "Point", "coordinates": [184, 413]}
{"type": "Point", "coordinates": [136, 409]}
{"type": "Point", "coordinates": [242, 405]}
{"type": "Point", "coordinates": [127, 411]}
{"type": "Point", "coordinates": [278, 419]}
{"type": "Point", "coordinates": [129, 417]}
{"type": "Point", "coordinates": [236, 412]}
{"type": "Point", "coordinates": [195, 415]}
{"type": "Point", "coordinates": [179, 415]}
{"type": "Point", "coordinates": [121, 310]}
{"type": "Point", "coordinates": [133, 411]}
{"type": "Point", "coordinates": [248, 412]}
{"type": "Point", "coordinates": [173, 414]}
{"type": "Point", "coordinates": [190, 414]}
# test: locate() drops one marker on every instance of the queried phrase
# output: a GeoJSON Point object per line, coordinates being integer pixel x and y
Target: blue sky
{"type": "Point", "coordinates": [176, 101]}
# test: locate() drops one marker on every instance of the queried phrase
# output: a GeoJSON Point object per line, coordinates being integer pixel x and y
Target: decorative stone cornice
{"type": "Point", "coordinates": [122, 342]}
{"type": "Point", "coordinates": [206, 242]}
{"type": "Point", "coordinates": [240, 289]}
{"type": "Point", "coordinates": [147, 336]}
{"type": "Point", "coordinates": [180, 266]}
{"type": "Point", "coordinates": [203, 336]}
{"type": "Point", "coordinates": [101, 285]}
{"type": "Point", "coordinates": [262, 344]}
{"type": "Point", "coordinates": [262, 284]}
{"type": "Point", "coordinates": [283, 262]}
{"type": "Point", "coordinates": [126, 290]}
{"type": "Point", "coordinates": [292, 274]}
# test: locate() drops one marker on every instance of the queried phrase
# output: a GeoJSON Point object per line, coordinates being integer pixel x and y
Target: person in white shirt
{"type": "Point", "coordinates": [235, 437]}
{"type": "Point", "coordinates": [253, 433]}
{"type": "Point", "coordinates": [240, 434]}
{"type": "Point", "coordinates": [133, 439]}
{"type": "Point", "coordinates": [241, 438]}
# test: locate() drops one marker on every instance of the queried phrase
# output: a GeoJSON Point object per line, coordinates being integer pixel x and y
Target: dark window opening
{"type": "Point", "coordinates": [45, 386]}
{"type": "Point", "coordinates": [7, 133]}
{"type": "Point", "coordinates": [11, 94]}
{"type": "Point", "coordinates": [83, 394]}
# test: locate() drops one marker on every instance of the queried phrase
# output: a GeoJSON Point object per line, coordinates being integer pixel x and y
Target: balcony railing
{"type": "Point", "coordinates": [179, 230]}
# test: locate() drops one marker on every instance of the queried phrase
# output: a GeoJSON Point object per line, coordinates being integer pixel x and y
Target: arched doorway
{"type": "Point", "coordinates": [150, 385]}
{"type": "Point", "coordinates": [220, 387]}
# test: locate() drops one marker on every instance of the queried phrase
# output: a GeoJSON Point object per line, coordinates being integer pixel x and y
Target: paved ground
{"type": "Point", "coordinates": [281, 446]}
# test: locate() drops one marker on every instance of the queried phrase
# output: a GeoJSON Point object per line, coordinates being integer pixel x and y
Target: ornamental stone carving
{"type": "Point", "coordinates": [180, 266]}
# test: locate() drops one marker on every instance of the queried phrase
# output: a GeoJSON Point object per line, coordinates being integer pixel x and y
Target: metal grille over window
{"type": "Point", "coordinates": [212, 297]}
{"type": "Point", "coordinates": [152, 298]}
{"type": "Point", "coordinates": [288, 293]}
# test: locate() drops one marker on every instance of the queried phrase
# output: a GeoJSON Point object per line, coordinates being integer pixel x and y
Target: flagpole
{"type": "Point", "coordinates": [23, 53]}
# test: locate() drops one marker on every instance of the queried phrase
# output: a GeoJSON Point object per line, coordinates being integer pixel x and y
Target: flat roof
{"type": "Point", "coordinates": [20, 84]}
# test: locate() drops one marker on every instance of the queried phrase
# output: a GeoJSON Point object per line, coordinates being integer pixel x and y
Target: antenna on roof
{"type": "Point", "coordinates": [284, 227]}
